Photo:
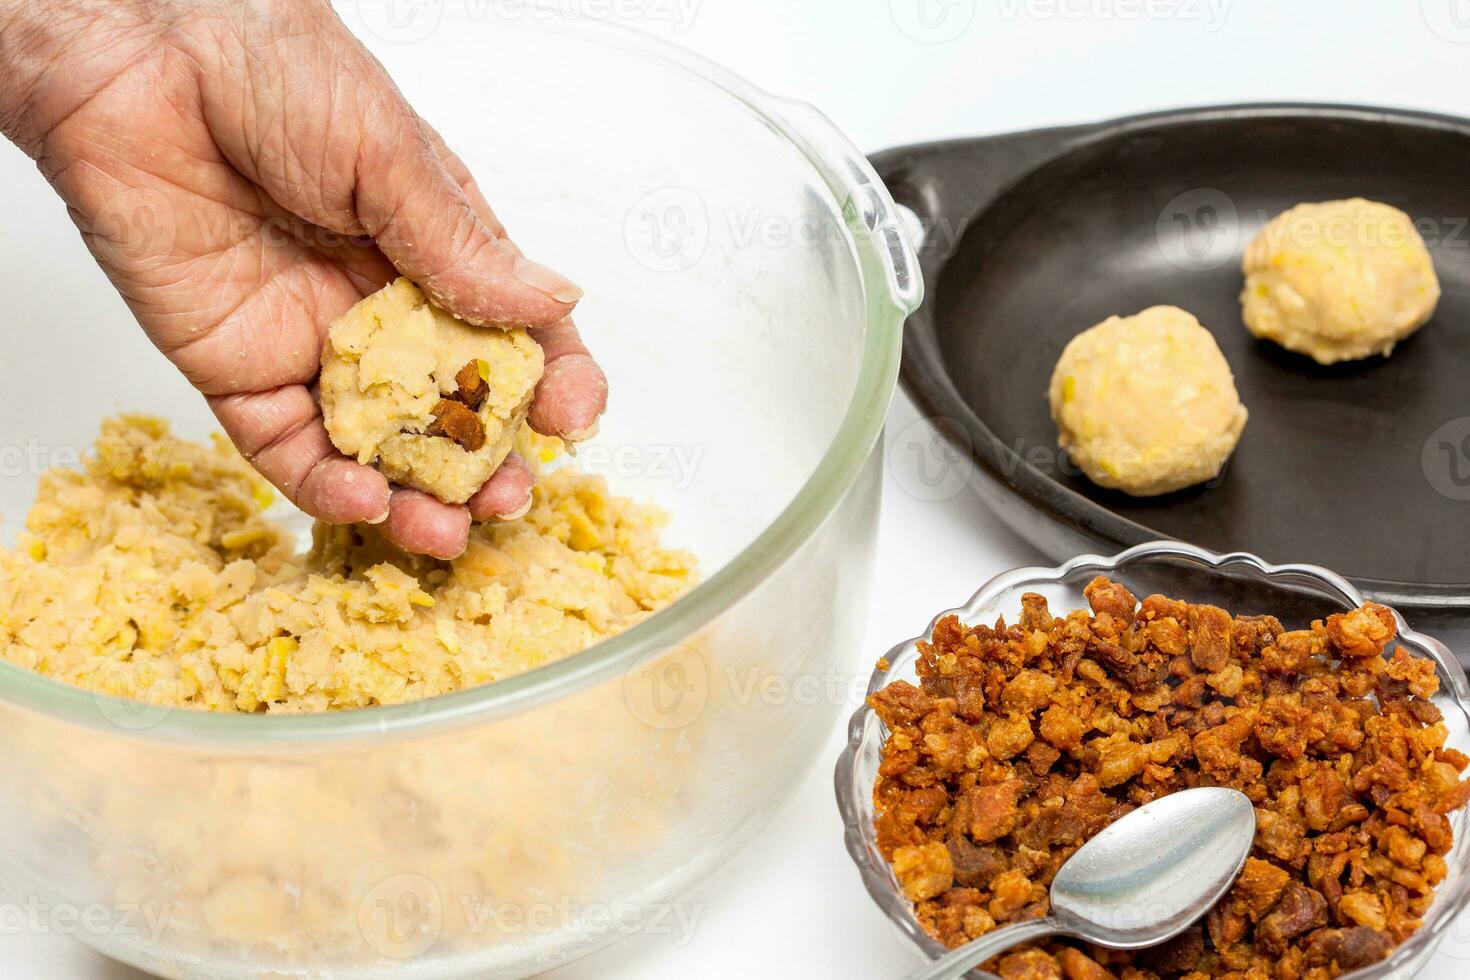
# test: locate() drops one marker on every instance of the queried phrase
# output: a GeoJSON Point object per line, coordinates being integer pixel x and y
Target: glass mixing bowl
{"type": "Point", "coordinates": [1241, 583]}
{"type": "Point", "coordinates": [746, 287]}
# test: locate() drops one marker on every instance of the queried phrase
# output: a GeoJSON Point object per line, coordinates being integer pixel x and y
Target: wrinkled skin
{"type": "Point", "coordinates": [244, 171]}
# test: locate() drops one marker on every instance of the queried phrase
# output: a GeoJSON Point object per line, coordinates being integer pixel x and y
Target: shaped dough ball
{"type": "Point", "coordinates": [1146, 404]}
{"type": "Point", "coordinates": [1338, 281]}
{"type": "Point", "coordinates": [433, 402]}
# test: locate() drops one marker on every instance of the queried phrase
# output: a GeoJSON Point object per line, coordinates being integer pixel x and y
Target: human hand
{"type": "Point", "coordinates": [283, 177]}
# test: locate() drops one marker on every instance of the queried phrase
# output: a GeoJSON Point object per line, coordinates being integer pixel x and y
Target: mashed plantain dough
{"type": "Point", "coordinates": [1146, 404]}
{"type": "Point", "coordinates": [431, 400]}
{"type": "Point", "coordinates": [154, 574]}
{"type": "Point", "coordinates": [1339, 280]}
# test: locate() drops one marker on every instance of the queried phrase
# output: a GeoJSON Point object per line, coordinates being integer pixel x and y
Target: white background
{"type": "Point", "coordinates": [897, 71]}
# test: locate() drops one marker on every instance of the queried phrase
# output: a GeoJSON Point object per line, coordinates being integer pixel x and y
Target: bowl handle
{"type": "Point", "coordinates": [867, 206]}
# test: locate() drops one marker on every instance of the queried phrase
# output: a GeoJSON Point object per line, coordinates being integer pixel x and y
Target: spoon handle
{"type": "Point", "coordinates": [958, 962]}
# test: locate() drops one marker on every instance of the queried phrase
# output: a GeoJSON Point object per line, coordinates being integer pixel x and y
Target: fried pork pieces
{"type": "Point", "coordinates": [1022, 742]}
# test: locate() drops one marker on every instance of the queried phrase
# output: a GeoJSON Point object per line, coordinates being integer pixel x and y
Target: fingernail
{"type": "Point", "coordinates": [545, 280]}
{"type": "Point", "coordinates": [380, 518]}
{"type": "Point", "coordinates": [518, 513]}
{"type": "Point", "coordinates": [582, 434]}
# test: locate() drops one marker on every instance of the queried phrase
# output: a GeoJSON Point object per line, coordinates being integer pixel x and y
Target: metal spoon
{"type": "Point", "coordinates": [1140, 882]}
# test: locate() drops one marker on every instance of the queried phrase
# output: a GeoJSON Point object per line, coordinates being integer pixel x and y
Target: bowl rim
{"type": "Point", "coordinates": [892, 290]}
{"type": "Point", "coordinates": [876, 875]}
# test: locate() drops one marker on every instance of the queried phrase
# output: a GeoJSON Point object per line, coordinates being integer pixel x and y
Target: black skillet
{"type": "Point", "coordinates": [1032, 237]}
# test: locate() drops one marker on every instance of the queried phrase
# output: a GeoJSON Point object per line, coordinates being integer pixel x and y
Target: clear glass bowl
{"type": "Point", "coordinates": [1242, 583]}
{"type": "Point", "coordinates": [746, 288]}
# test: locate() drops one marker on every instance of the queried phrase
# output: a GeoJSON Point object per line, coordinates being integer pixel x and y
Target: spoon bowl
{"type": "Point", "coordinates": [1141, 881]}
{"type": "Point", "coordinates": [1147, 877]}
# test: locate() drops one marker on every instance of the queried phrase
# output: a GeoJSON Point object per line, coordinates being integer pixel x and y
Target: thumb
{"type": "Point", "coordinates": [422, 220]}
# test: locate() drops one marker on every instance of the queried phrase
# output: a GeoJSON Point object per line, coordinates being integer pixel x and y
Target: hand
{"type": "Point", "coordinates": [244, 171]}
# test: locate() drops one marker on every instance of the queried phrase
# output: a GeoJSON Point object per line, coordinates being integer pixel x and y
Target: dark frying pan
{"type": "Point", "coordinates": [1029, 238]}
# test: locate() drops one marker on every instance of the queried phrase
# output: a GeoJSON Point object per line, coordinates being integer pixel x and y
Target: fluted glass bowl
{"type": "Point", "coordinates": [1241, 583]}
{"type": "Point", "coordinates": [746, 288]}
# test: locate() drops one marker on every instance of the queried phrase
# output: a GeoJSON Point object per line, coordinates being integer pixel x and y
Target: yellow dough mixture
{"type": "Point", "coordinates": [1146, 404]}
{"type": "Point", "coordinates": [154, 574]}
{"type": "Point", "coordinates": [434, 402]}
{"type": "Point", "coordinates": [1339, 280]}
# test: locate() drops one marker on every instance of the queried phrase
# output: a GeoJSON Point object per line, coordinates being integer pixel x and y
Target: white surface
{"type": "Point", "coordinates": [793, 905]}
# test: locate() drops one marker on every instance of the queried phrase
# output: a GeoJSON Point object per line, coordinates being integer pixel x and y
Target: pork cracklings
{"type": "Point", "coordinates": [1021, 742]}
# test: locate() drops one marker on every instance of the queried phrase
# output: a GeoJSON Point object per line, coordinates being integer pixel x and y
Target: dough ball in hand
{"type": "Point", "coordinates": [1146, 404]}
{"type": "Point", "coordinates": [433, 402]}
{"type": "Point", "coordinates": [1339, 280]}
